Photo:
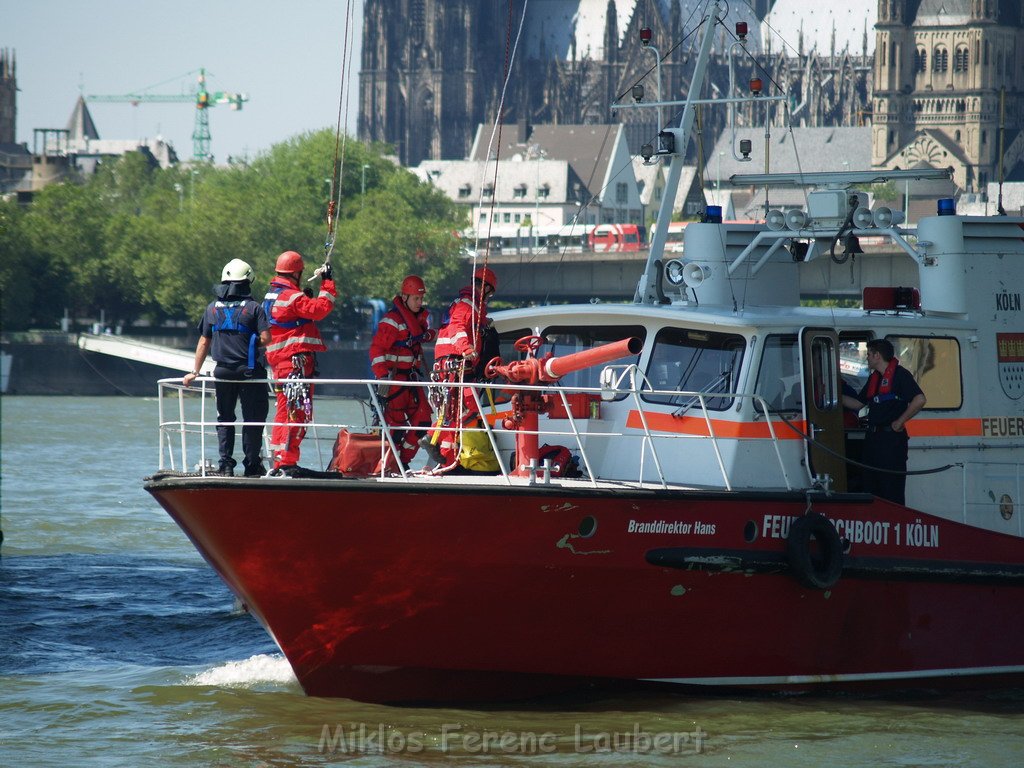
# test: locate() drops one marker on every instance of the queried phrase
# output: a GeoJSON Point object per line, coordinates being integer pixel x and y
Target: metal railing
{"type": "Point", "coordinates": [193, 420]}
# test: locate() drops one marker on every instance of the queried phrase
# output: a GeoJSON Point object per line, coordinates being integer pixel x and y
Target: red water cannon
{"type": "Point", "coordinates": [527, 406]}
{"type": "Point", "coordinates": [547, 369]}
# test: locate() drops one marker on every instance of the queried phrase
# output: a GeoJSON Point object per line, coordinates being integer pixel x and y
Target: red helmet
{"type": "Point", "coordinates": [289, 261]}
{"type": "Point", "coordinates": [413, 286]}
{"type": "Point", "coordinates": [487, 276]}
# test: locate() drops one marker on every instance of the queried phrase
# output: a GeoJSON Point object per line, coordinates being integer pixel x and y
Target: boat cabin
{"type": "Point", "coordinates": [734, 373]}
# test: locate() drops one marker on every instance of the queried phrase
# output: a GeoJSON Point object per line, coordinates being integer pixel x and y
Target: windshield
{"type": "Point", "coordinates": [694, 361]}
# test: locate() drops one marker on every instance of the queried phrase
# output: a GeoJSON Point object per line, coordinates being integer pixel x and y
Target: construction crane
{"type": "Point", "coordinates": [202, 98]}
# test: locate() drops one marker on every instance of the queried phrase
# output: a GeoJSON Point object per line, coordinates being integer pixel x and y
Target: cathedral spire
{"type": "Point", "coordinates": [611, 34]}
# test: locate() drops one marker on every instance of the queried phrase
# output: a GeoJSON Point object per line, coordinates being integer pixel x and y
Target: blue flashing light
{"type": "Point", "coordinates": [947, 206]}
{"type": "Point", "coordinates": [713, 214]}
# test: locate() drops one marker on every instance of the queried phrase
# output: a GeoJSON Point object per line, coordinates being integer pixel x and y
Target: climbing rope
{"type": "Point", "coordinates": [340, 138]}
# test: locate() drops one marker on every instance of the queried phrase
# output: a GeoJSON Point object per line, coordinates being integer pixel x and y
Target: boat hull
{"type": "Point", "coordinates": [389, 592]}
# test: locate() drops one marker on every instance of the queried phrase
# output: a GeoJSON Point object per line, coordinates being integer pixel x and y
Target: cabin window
{"type": "Point", "coordinates": [565, 340]}
{"type": "Point", "coordinates": [686, 361]}
{"type": "Point", "coordinates": [779, 379]}
{"type": "Point", "coordinates": [935, 364]}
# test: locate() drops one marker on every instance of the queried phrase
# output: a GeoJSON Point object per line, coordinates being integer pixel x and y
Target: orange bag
{"type": "Point", "coordinates": [355, 454]}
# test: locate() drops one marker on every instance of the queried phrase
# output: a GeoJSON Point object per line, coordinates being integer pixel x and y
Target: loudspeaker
{"type": "Point", "coordinates": [796, 219]}
{"type": "Point", "coordinates": [695, 274]}
{"type": "Point", "coordinates": [775, 220]}
{"type": "Point", "coordinates": [863, 218]}
{"type": "Point", "coordinates": [882, 216]}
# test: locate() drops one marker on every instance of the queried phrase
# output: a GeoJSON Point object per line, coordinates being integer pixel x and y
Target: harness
{"type": "Point", "coordinates": [880, 384]}
{"type": "Point", "coordinates": [268, 305]}
{"type": "Point", "coordinates": [228, 315]}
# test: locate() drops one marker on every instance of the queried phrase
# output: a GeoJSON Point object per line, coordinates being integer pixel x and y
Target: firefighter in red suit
{"type": "Point", "coordinates": [396, 353]}
{"type": "Point", "coordinates": [294, 341]}
{"type": "Point", "coordinates": [457, 355]}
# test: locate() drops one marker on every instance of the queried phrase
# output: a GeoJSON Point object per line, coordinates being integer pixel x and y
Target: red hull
{"type": "Point", "coordinates": [386, 592]}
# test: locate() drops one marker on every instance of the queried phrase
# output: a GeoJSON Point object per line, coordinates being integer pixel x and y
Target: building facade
{"type": "Point", "coordinates": [432, 70]}
{"type": "Point", "coordinates": [946, 94]}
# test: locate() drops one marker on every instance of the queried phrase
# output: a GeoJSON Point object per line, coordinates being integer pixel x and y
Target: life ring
{"type": "Point", "coordinates": [818, 567]}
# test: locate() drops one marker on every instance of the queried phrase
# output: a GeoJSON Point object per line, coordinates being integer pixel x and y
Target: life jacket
{"type": "Point", "coordinates": [296, 334]}
{"type": "Point", "coordinates": [880, 384]}
{"type": "Point", "coordinates": [405, 352]}
{"type": "Point", "coordinates": [228, 315]}
{"type": "Point", "coordinates": [268, 304]}
{"type": "Point", "coordinates": [461, 326]}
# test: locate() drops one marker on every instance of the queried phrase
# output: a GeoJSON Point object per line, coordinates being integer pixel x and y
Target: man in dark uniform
{"type": "Point", "coordinates": [893, 398]}
{"type": "Point", "coordinates": [235, 326]}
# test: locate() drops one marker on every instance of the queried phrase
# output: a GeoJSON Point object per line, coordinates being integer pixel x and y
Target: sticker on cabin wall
{"type": "Point", "coordinates": [1010, 359]}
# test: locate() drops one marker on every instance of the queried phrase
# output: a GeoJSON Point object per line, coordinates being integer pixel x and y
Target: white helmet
{"type": "Point", "coordinates": [235, 271]}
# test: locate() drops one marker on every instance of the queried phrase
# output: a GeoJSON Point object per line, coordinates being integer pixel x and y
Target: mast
{"type": "Point", "coordinates": [646, 290]}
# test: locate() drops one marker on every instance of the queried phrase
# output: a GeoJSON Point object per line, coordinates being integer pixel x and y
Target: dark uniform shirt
{"type": "Point", "coordinates": [230, 348]}
{"type": "Point", "coordinates": [884, 409]}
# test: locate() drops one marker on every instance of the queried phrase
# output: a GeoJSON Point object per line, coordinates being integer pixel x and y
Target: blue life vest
{"type": "Point", "coordinates": [228, 315]}
{"type": "Point", "coordinates": [268, 305]}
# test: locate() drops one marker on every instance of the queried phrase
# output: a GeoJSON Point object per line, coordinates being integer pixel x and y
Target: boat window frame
{"type": "Point", "coordinates": [718, 403]}
{"type": "Point", "coordinates": [894, 338]}
{"type": "Point", "coordinates": [796, 385]}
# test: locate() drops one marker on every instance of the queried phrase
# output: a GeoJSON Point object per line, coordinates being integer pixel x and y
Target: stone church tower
{"type": "Point", "coordinates": [432, 70]}
{"type": "Point", "coordinates": [429, 68]}
{"type": "Point", "coordinates": [8, 90]}
{"type": "Point", "coordinates": [940, 67]}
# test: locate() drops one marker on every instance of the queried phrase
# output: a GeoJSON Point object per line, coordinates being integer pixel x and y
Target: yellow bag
{"type": "Point", "coordinates": [476, 453]}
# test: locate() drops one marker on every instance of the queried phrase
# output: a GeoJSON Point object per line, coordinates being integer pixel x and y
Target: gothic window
{"type": "Point", "coordinates": [984, 137]}
{"type": "Point", "coordinates": [921, 60]}
{"type": "Point", "coordinates": [883, 56]}
{"type": "Point", "coordinates": [960, 59]}
{"type": "Point", "coordinates": [417, 21]}
{"type": "Point", "coordinates": [940, 60]}
{"type": "Point", "coordinates": [956, 136]}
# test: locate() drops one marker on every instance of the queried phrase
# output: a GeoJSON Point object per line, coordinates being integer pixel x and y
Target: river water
{"type": "Point", "coordinates": [120, 647]}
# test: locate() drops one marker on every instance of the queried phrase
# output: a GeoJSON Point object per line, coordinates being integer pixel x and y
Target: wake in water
{"type": "Point", "coordinates": [253, 672]}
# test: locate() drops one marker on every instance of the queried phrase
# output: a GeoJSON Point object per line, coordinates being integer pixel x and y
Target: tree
{"type": "Point", "coordinates": [135, 240]}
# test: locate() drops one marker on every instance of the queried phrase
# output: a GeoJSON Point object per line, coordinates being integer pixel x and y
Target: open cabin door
{"type": "Point", "coordinates": [823, 405]}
